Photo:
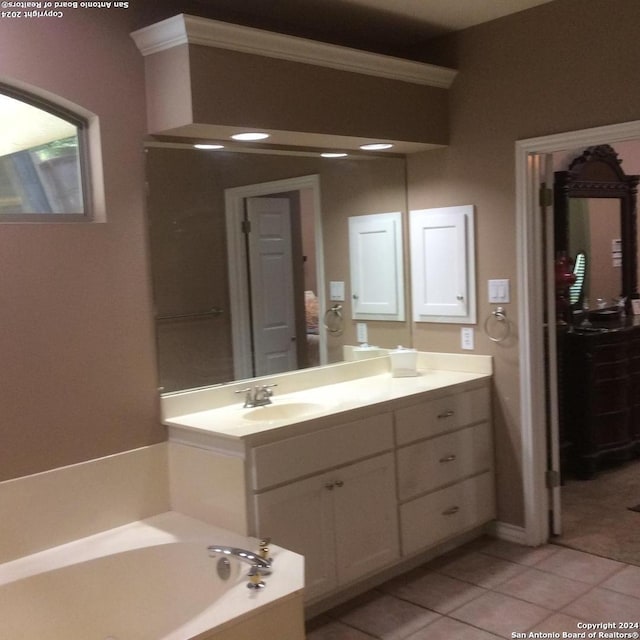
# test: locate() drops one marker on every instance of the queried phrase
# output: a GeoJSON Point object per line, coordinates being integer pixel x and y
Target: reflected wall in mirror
{"type": "Point", "coordinates": [192, 257]}
{"type": "Point", "coordinates": [594, 231]}
{"type": "Point", "coordinates": [595, 217]}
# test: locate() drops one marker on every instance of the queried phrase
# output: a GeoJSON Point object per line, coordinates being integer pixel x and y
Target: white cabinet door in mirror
{"type": "Point", "coordinates": [375, 255]}
{"type": "Point", "coordinates": [443, 264]}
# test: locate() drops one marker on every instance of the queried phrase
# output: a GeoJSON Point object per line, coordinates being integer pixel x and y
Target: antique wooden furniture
{"type": "Point", "coordinates": [599, 349]}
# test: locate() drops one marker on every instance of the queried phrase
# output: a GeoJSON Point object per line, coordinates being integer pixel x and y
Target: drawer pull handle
{"type": "Point", "coordinates": [450, 458]}
{"type": "Point", "coordinates": [329, 486]}
{"type": "Point", "coordinates": [450, 511]}
{"type": "Point", "coordinates": [339, 483]}
{"type": "Point", "coordinates": [446, 414]}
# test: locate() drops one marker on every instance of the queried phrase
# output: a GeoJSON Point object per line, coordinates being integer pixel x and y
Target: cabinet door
{"type": "Point", "coordinates": [299, 517]}
{"type": "Point", "coordinates": [366, 521]}
{"type": "Point", "coordinates": [375, 255]}
{"type": "Point", "coordinates": [443, 265]}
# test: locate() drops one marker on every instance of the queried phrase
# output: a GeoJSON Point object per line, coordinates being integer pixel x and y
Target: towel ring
{"type": "Point", "coordinates": [333, 320]}
{"type": "Point", "coordinates": [500, 316]}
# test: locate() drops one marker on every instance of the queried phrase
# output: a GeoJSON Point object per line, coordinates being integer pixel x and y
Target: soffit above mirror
{"type": "Point", "coordinates": [186, 29]}
{"type": "Point", "coordinates": [206, 78]}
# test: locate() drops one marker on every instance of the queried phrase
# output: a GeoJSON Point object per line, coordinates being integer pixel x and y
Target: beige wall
{"type": "Point", "coordinates": [77, 364]}
{"type": "Point", "coordinates": [563, 66]}
{"type": "Point", "coordinates": [78, 377]}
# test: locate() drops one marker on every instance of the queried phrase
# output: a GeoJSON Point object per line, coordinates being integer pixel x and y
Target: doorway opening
{"type": "Point", "coordinates": [543, 509]}
{"type": "Point", "coordinates": [276, 276]}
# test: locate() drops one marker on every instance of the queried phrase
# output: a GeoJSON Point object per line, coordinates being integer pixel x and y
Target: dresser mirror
{"type": "Point", "coordinates": [595, 227]}
{"type": "Point", "coordinates": [193, 253]}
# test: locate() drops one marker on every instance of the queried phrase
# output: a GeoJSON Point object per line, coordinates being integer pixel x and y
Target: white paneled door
{"type": "Point", "coordinates": [271, 273]}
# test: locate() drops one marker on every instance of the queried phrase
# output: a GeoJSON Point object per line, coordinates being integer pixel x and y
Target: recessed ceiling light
{"type": "Point", "coordinates": [250, 136]}
{"type": "Point", "coordinates": [376, 146]}
{"type": "Point", "coordinates": [333, 154]}
{"type": "Point", "coordinates": [209, 146]}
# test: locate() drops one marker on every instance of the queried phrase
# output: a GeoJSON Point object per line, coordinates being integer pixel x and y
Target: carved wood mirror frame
{"type": "Point", "coordinates": [597, 174]}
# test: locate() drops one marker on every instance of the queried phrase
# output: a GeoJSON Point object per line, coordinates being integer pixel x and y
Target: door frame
{"type": "Point", "coordinates": [236, 258]}
{"type": "Point", "coordinates": [529, 243]}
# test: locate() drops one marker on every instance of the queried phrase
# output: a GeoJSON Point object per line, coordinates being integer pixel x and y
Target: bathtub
{"type": "Point", "coordinates": [149, 580]}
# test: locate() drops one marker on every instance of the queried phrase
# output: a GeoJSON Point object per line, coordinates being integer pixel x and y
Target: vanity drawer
{"type": "Point", "coordinates": [311, 453]}
{"type": "Point", "coordinates": [446, 513]}
{"type": "Point", "coordinates": [441, 414]}
{"type": "Point", "coordinates": [430, 464]}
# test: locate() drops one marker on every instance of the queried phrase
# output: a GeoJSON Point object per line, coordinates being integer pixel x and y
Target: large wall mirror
{"type": "Point", "coordinates": [214, 302]}
{"type": "Point", "coordinates": [595, 225]}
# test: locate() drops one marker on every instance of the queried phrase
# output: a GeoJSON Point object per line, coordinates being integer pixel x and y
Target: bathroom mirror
{"type": "Point", "coordinates": [192, 193]}
{"type": "Point", "coordinates": [595, 214]}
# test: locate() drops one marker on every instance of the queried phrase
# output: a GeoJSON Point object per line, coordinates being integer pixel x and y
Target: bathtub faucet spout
{"type": "Point", "coordinates": [263, 565]}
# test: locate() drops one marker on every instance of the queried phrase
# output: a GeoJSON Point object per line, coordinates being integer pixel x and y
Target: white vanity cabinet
{"type": "Point", "coordinates": [445, 468]}
{"type": "Point", "coordinates": [344, 522]}
{"type": "Point", "coordinates": [343, 519]}
{"type": "Point", "coordinates": [401, 468]}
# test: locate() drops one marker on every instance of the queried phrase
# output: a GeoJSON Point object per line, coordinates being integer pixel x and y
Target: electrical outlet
{"type": "Point", "coordinates": [466, 338]}
{"type": "Point", "coordinates": [361, 332]}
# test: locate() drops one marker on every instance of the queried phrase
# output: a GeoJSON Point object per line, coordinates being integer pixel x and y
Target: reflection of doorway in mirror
{"type": "Point", "coordinates": [292, 300]}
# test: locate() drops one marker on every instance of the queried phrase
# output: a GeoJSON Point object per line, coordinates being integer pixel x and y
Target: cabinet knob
{"type": "Point", "coordinates": [446, 414]}
{"type": "Point", "coordinates": [339, 483]}
{"type": "Point", "coordinates": [450, 458]}
{"type": "Point", "coordinates": [451, 511]}
{"type": "Point", "coordinates": [329, 486]}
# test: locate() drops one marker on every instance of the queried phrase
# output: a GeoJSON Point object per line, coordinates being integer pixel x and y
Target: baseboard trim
{"type": "Point", "coordinates": [509, 532]}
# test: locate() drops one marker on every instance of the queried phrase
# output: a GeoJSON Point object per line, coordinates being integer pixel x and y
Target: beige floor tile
{"type": "Point", "coordinates": [625, 581]}
{"type": "Point", "coordinates": [388, 618]}
{"type": "Point", "coordinates": [337, 631]}
{"type": "Point", "coordinates": [603, 605]}
{"type": "Point", "coordinates": [501, 614]}
{"type": "Point", "coordinates": [480, 569]}
{"type": "Point", "coordinates": [578, 565]}
{"type": "Point", "coordinates": [449, 629]}
{"type": "Point", "coordinates": [529, 556]}
{"type": "Point", "coordinates": [543, 588]}
{"type": "Point", "coordinates": [434, 591]}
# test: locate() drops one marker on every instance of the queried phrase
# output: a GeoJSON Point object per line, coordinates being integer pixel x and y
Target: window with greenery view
{"type": "Point", "coordinates": [42, 161]}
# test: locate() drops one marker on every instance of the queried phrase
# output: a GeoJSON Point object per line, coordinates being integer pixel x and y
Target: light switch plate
{"type": "Point", "coordinates": [336, 291]}
{"type": "Point", "coordinates": [466, 338]}
{"type": "Point", "coordinates": [498, 291]}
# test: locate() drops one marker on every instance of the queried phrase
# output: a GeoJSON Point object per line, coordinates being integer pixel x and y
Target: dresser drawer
{"type": "Point", "coordinates": [441, 414]}
{"type": "Point", "coordinates": [427, 465]}
{"type": "Point", "coordinates": [310, 453]}
{"type": "Point", "coordinates": [446, 513]}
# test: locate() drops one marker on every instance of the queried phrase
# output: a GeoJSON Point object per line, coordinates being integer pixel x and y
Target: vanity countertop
{"type": "Point", "coordinates": [347, 400]}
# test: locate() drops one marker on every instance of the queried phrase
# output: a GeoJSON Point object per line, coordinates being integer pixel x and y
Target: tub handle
{"type": "Point", "coordinates": [263, 550]}
{"type": "Point", "coordinates": [255, 578]}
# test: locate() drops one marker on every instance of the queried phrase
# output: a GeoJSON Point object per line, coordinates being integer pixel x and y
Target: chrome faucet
{"type": "Point", "coordinates": [258, 563]}
{"type": "Point", "coordinates": [258, 396]}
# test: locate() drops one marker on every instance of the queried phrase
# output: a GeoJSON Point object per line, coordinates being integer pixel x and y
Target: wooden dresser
{"type": "Point", "coordinates": [600, 396]}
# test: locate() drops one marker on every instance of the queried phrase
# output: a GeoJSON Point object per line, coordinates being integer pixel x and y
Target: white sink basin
{"type": "Point", "coordinates": [284, 411]}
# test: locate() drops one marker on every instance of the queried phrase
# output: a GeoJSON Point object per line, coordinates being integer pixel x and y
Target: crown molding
{"type": "Point", "coordinates": [186, 29]}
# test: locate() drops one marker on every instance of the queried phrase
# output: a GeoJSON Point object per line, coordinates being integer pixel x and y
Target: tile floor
{"type": "Point", "coordinates": [490, 589]}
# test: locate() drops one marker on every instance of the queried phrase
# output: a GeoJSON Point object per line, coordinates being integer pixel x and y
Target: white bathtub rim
{"type": "Point", "coordinates": [171, 527]}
